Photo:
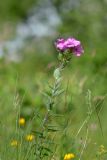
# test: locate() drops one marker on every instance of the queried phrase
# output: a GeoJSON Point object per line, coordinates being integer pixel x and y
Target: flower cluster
{"type": "Point", "coordinates": [69, 156]}
{"type": "Point", "coordinates": [71, 44]}
{"type": "Point", "coordinates": [29, 138]}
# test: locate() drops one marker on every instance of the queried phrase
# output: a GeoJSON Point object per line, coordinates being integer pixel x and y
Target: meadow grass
{"type": "Point", "coordinates": [21, 95]}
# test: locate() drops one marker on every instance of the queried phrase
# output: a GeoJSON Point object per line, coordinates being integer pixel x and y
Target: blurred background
{"type": "Point", "coordinates": [28, 30]}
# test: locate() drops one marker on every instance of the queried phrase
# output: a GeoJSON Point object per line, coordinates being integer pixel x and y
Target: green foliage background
{"type": "Point", "coordinates": [15, 10]}
{"type": "Point", "coordinates": [22, 83]}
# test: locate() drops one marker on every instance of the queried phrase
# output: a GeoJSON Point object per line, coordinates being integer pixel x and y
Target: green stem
{"type": "Point", "coordinates": [51, 101]}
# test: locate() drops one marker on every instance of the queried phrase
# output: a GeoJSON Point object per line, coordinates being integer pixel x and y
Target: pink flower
{"type": "Point", "coordinates": [71, 44]}
{"type": "Point", "coordinates": [60, 44]}
{"type": "Point", "coordinates": [78, 50]}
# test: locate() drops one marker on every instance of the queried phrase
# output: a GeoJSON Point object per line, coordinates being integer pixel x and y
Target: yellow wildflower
{"type": "Point", "coordinates": [22, 121]}
{"type": "Point", "coordinates": [30, 137]}
{"type": "Point", "coordinates": [102, 150]}
{"type": "Point", "coordinates": [14, 143]}
{"type": "Point", "coordinates": [69, 156]}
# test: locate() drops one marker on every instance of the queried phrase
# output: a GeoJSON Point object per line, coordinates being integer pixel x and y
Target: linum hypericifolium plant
{"type": "Point", "coordinates": [66, 49]}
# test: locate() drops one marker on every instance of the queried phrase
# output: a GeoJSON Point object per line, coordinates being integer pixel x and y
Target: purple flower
{"type": "Point", "coordinates": [78, 50]}
{"type": "Point", "coordinates": [71, 44]}
{"type": "Point", "coordinates": [60, 44]}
